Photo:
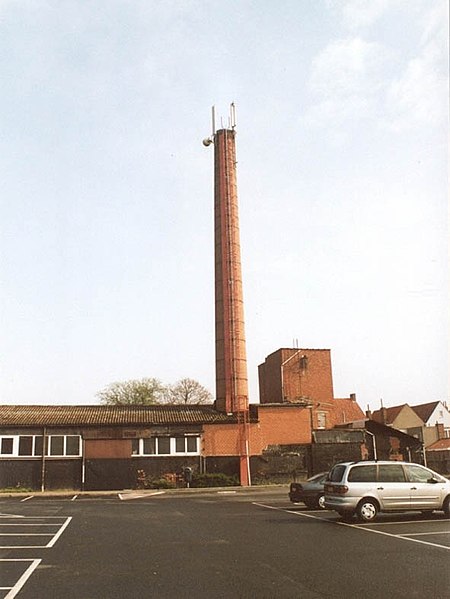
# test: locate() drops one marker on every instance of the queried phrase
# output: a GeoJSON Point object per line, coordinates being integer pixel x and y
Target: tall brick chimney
{"type": "Point", "coordinates": [231, 359]}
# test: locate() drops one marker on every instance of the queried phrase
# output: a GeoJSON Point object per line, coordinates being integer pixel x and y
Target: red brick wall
{"type": "Point", "coordinates": [284, 425]}
{"type": "Point", "coordinates": [278, 425]}
{"type": "Point", "coordinates": [291, 381]}
{"type": "Point", "coordinates": [220, 439]}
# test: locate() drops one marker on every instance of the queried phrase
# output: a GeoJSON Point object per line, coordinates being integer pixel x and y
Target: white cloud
{"type": "Point", "coordinates": [363, 13]}
{"type": "Point", "coordinates": [354, 79]}
{"type": "Point", "coordinates": [347, 67]}
{"type": "Point", "coordinates": [436, 24]}
{"type": "Point", "coordinates": [419, 95]}
{"type": "Point", "coordinates": [345, 77]}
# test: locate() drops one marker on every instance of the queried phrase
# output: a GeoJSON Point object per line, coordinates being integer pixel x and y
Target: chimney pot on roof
{"type": "Point", "coordinates": [353, 396]}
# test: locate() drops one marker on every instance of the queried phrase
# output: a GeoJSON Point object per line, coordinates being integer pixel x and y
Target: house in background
{"type": "Point", "coordinates": [402, 417]}
{"type": "Point", "coordinates": [428, 422]}
{"type": "Point", "coordinates": [436, 418]}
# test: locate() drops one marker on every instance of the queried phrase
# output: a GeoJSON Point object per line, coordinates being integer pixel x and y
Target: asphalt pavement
{"type": "Point", "coordinates": [221, 543]}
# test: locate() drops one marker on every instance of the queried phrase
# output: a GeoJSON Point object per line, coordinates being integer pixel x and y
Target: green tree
{"type": "Point", "coordinates": [146, 391]}
{"type": "Point", "coordinates": [187, 391]}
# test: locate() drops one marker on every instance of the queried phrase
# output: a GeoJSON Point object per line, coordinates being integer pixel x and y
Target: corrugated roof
{"type": "Point", "coordinates": [17, 415]}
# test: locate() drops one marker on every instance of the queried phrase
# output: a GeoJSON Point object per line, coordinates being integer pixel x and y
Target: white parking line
{"type": "Point", "coordinates": [22, 580]}
{"type": "Point", "coordinates": [26, 534]}
{"type": "Point", "coordinates": [397, 523]}
{"type": "Point", "coordinates": [60, 531]}
{"type": "Point", "coordinates": [356, 526]}
{"type": "Point", "coordinates": [18, 534]}
{"type": "Point", "coordinates": [26, 498]}
{"type": "Point", "coordinates": [421, 534]}
{"type": "Point", "coordinates": [128, 496]}
{"type": "Point", "coordinates": [32, 524]}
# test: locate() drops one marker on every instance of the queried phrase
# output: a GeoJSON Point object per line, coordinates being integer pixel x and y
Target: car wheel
{"type": "Point", "coordinates": [321, 502]}
{"type": "Point", "coordinates": [446, 507]}
{"type": "Point", "coordinates": [367, 510]}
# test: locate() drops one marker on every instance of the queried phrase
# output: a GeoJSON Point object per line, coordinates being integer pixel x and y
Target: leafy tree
{"type": "Point", "coordinates": [145, 391]}
{"type": "Point", "coordinates": [187, 391]}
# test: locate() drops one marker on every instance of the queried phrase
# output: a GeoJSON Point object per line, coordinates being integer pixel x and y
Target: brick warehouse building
{"type": "Point", "coordinates": [104, 447]}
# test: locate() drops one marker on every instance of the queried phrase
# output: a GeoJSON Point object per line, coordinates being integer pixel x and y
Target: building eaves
{"type": "Point", "coordinates": [57, 415]}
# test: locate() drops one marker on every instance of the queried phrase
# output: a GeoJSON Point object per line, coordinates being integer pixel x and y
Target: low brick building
{"type": "Point", "coordinates": [105, 447]}
{"type": "Point", "coordinates": [109, 447]}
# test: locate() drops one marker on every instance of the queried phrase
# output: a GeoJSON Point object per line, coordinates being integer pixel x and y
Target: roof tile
{"type": "Point", "coordinates": [97, 415]}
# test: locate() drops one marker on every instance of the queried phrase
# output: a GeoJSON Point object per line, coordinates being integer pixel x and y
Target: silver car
{"type": "Point", "coordinates": [367, 487]}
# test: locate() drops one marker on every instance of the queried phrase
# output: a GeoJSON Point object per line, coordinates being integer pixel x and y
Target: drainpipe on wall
{"type": "Point", "coordinates": [44, 445]}
{"type": "Point", "coordinates": [83, 464]}
{"type": "Point", "coordinates": [374, 444]}
{"type": "Point", "coordinates": [424, 456]}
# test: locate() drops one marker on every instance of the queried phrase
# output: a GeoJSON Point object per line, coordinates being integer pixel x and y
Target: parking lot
{"type": "Point", "coordinates": [244, 543]}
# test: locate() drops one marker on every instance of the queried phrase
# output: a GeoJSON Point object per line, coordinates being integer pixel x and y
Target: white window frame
{"type": "Point", "coordinates": [172, 447]}
{"type": "Point", "coordinates": [7, 437]}
{"type": "Point", "coordinates": [16, 441]}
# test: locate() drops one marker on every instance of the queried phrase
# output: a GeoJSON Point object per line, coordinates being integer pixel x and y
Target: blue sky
{"type": "Point", "coordinates": [106, 195]}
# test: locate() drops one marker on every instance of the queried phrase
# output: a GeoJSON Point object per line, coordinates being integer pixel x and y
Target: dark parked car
{"type": "Point", "coordinates": [310, 492]}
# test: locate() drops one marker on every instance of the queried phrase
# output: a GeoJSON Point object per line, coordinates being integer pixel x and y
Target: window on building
{"type": "Point", "coordinates": [321, 420]}
{"type": "Point", "coordinates": [57, 445]}
{"type": "Point", "coordinates": [180, 445]}
{"type": "Point", "coordinates": [149, 446]}
{"type": "Point", "coordinates": [72, 445]}
{"type": "Point", "coordinates": [163, 447]}
{"type": "Point", "coordinates": [38, 445]}
{"type": "Point", "coordinates": [25, 445]}
{"type": "Point", "coordinates": [191, 444]}
{"type": "Point", "coordinates": [32, 445]}
{"type": "Point", "coordinates": [7, 445]}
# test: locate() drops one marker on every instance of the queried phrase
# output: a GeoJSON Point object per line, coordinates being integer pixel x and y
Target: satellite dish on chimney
{"type": "Point", "coordinates": [207, 141]}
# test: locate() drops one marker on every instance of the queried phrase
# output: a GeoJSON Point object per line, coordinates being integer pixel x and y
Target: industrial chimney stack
{"type": "Point", "coordinates": [231, 358]}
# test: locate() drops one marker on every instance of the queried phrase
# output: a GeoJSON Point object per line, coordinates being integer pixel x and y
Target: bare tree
{"type": "Point", "coordinates": [187, 391]}
{"type": "Point", "coordinates": [145, 391]}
